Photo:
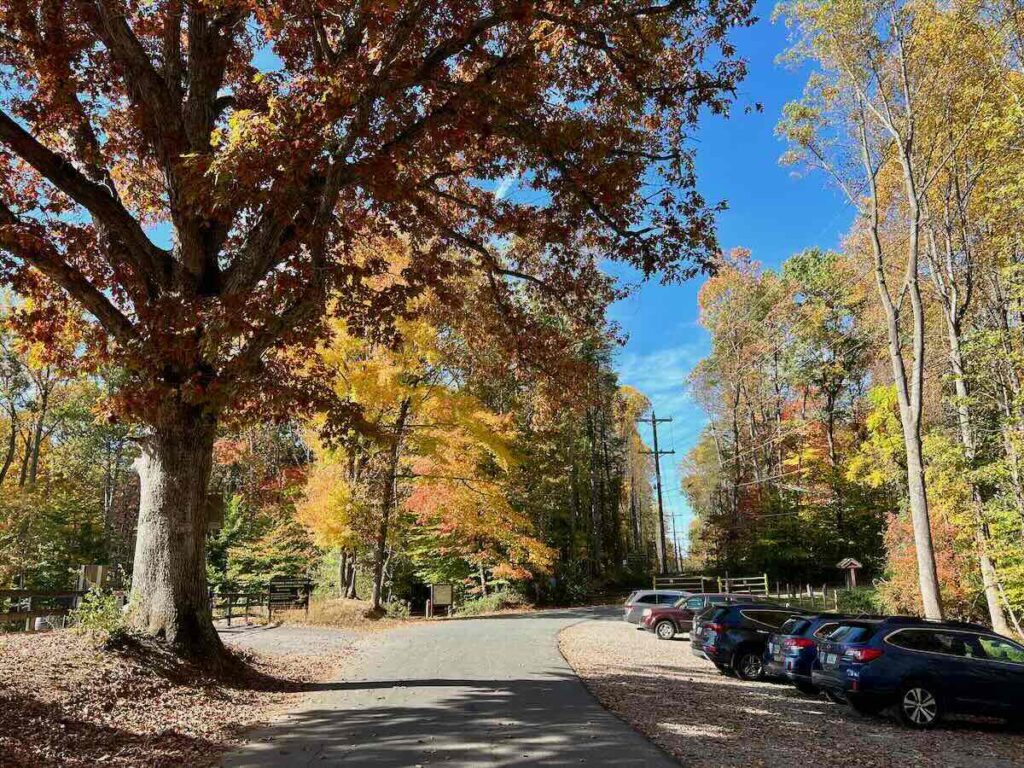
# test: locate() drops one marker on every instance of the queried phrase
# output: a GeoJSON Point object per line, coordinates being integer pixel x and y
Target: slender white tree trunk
{"type": "Point", "coordinates": [169, 592]}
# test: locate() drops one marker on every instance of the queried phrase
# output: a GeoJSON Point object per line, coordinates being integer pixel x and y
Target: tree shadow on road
{"type": "Point", "coordinates": [548, 721]}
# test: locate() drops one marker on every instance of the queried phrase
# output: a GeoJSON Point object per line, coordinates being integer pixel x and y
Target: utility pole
{"type": "Point", "coordinates": [655, 421]}
{"type": "Point", "coordinates": [675, 540]}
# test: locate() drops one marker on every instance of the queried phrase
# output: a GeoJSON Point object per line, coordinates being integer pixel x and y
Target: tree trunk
{"type": "Point", "coordinates": [350, 590]}
{"type": "Point", "coordinates": [37, 438]}
{"type": "Point", "coordinates": [169, 594]}
{"type": "Point", "coordinates": [12, 446]}
{"type": "Point", "coordinates": [908, 389]}
{"type": "Point", "coordinates": [387, 501]}
{"type": "Point", "coordinates": [990, 579]}
{"type": "Point", "coordinates": [342, 572]}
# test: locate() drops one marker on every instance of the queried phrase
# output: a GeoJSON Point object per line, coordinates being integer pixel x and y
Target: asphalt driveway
{"type": "Point", "coordinates": [478, 692]}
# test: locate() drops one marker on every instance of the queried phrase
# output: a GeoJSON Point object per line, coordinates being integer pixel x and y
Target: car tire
{"type": "Point", "coordinates": [748, 665]}
{"type": "Point", "coordinates": [665, 630]}
{"type": "Point", "coordinates": [919, 706]}
{"type": "Point", "coordinates": [807, 689]}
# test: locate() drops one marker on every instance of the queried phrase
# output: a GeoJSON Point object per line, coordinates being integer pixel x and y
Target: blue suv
{"type": "Point", "coordinates": [792, 650]}
{"type": "Point", "coordinates": [926, 669]}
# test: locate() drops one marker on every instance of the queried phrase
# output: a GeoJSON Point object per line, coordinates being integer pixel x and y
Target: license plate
{"type": "Point", "coordinates": [830, 659]}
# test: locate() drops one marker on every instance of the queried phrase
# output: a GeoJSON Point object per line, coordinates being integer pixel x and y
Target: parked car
{"type": "Point", "coordinates": [734, 636]}
{"type": "Point", "coordinates": [667, 621]}
{"type": "Point", "coordinates": [640, 599]}
{"type": "Point", "coordinates": [790, 652]}
{"type": "Point", "coordinates": [926, 669]}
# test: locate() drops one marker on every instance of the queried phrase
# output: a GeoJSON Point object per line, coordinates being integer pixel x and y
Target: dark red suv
{"type": "Point", "coordinates": [667, 621]}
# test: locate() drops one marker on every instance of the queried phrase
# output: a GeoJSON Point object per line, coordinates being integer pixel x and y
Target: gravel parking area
{"type": "Point", "coordinates": [702, 718]}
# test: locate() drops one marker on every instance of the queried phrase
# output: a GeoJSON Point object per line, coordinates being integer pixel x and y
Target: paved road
{"type": "Point", "coordinates": [480, 692]}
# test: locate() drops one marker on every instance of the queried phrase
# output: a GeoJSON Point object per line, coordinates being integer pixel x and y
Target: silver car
{"type": "Point", "coordinates": [637, 601]}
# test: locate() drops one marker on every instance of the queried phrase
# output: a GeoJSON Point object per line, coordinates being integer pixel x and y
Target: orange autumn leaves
{"type": "Point", "coordinates": [455, 456]}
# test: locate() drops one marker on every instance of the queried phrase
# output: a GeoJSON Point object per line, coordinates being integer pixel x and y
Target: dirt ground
{"type": "Point", "coordinates": [63, 702]}
{"type": "Point", "coordinates": [702, 718]}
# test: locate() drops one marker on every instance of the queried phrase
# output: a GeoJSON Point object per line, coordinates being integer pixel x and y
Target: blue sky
{"type": "Point", "coordinates": [771, 212]}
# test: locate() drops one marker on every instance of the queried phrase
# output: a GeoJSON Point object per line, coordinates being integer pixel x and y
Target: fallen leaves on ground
{"type": "Point", "coordinates": [703, 718]}
{"type": "Point", "coordinates": [65, 702]}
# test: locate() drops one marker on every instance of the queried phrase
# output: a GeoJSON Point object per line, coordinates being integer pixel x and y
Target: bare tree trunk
{"type": "Point", "coordinates": [387, 502]}
{"type": "Point", "coordinates": [37, 438]}
{"type": "Point", "coordinates": [169, 593]}
{"type": "Point", "coordinates": [989, 576]}
{"type": "Point", "coordinates": [350, 590]}
{"type": "Point", "coordinates": [908, 389]}
{"type": "Point", "coordinates": [12, 445]}
{"type": "Point", "coordinates": [342, 571]}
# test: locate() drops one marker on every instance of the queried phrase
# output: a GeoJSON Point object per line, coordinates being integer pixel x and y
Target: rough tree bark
{"type": "Point", "coordinates": [169, 592]}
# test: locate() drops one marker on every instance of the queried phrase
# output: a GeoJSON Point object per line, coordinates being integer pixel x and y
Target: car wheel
{"type": "Point", "coordinates": [919, 706]}
{"type": "Point", "coordinates": [665, 630]}
{"type": "Point", "coordinates": [749, 666]}
{"type": "Point", "coordinates": [806, 688]}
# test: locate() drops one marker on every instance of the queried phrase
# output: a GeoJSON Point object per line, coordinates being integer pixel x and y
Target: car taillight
{"type": "Point", "coordinates": [713, 627]}
{"type": "Point", "coordinates": [862, 655]}
{"type": "Point", "coordinates": [798, 642]}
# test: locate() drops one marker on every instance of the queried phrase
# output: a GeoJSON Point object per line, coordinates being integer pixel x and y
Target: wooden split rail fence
{"type": "Point", "coordinates": [282, 594]}
{"type": "Point", "coordinates": [822, 597]}
{"type": "Point", "coordinates": [17, 605]}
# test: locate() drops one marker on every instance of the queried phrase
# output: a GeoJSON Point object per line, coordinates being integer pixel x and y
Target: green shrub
{"type": "Point", "coordinates": [496, 601]}
{"type": "Point", "coordinates": [397, 609]}
{"type": "Point", "coordinates": [101, 617]}
{"type": "Point", "coordinates": [860, 600]}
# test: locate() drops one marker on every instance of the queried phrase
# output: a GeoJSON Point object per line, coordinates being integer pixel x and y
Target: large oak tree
{"type": "Point", "coordinates": [196, 173]}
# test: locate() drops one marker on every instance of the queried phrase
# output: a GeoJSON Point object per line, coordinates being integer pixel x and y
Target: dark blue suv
{"type": "Point", "coordinates": [926, 669]}
{"type": "Point", "coordinates": [792, 650]}
{"type": "Point", "coordinates": [733, 637]}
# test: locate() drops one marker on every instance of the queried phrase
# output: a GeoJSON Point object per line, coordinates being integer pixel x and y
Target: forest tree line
{"type": "Point", "coordinates": [869, 403]}
{"type": "Point", "coordinates": [460, 467]}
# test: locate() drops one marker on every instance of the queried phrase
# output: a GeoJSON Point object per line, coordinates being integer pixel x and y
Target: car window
{"type": "Point", "coordinates": [667, 599]}
{"type": "Point", "coordinates": [916, 640]}
{"type": "Point", "coordinates": [794, 626]}
{"type": "Point", "coordinates": [695, 603]}
{"type": "Point", "coordinates": [647, 599]}
{"type": "Point", "coordinates": [714, 614]}
{"type": "Point", "coordinates": [998, 649]}
{"type": "Point", "coordinates": [851, 633]}
{"type": "Point", "coordinates": [826, 629]}
{"type": "Point", "coordinates": [959, 644]}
